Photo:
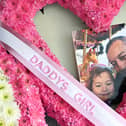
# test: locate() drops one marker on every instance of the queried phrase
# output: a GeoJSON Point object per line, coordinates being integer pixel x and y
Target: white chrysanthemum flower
{"type": "Point", "coordinates": [2, 121]}
{"type": "Point", "coordinates": [3, 78]}
{"type": "Point", "coordinates": [1, 107]}
{"type": "Point", "coordinates": [1, 72]}
{"type": "Point", "coordinates": [6, 96]}
{"type": "Point", "coordinates": [8, 87]}
{"type": "Point", "coordinates": [12, 123]}
{"type": "Point", "coordinates": [11, 112]}
{"type": "Point", "coordinates": [3, 86]}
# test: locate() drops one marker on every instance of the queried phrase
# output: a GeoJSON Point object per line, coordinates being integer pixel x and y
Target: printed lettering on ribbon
{"type": "Point", "coordinates": [59, 80]}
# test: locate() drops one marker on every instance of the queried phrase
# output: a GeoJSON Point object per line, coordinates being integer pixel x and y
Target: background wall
{"type": "Point", "coordinates": [56, 26]}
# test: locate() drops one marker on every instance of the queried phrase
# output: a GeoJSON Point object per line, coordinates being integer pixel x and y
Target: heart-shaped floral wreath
{"type": "Point", "coordinates": [32, 96]}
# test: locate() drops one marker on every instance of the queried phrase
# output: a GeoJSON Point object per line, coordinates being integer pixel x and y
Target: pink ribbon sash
{"type": "Point", "coordinates": [59, 80]}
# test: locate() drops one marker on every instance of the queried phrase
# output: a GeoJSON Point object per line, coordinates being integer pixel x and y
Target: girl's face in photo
{"type": "Point", "coordinates": [103, 86]}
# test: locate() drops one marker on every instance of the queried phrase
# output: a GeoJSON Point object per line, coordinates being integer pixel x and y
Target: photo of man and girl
{"type": "Point", "coordinates": [101, 62]}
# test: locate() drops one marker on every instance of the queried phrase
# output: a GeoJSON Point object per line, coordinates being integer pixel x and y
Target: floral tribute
{"type": "Point", "coordinates": [32, 96]}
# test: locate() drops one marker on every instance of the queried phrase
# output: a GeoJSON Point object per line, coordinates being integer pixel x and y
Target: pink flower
{"type": "Point", "coordinates": [24, 121]}
{"type": "Point", "coordinates": [12, 4]}
{"type": "Point", "coordinates": [36, 110]}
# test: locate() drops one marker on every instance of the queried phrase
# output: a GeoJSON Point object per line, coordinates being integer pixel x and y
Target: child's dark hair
{"type": "Point", "coordinates": [96, 71]}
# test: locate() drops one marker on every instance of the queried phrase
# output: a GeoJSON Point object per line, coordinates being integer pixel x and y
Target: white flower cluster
{"type": "Point", "coordinates": [9, 110]}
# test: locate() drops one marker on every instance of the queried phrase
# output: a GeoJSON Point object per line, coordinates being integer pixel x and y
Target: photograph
{"type": "Point", "coordinates": [100, 61]}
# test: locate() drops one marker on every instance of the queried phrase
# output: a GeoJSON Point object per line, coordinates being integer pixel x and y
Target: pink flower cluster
{"type": "Point", "coordinates": [121, 109]}
{"type": "Point", "coordinates": [32, 95]}
{"type": "Point", "coordinates": [96, 14]}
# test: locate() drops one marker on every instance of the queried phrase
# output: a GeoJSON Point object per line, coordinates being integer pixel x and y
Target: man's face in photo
{"type": "Point", "coordinates": [117, 55]}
